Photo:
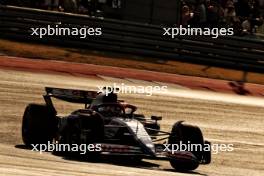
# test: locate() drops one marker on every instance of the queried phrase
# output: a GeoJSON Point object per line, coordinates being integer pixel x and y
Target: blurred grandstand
{"type": "Point", "coordinates": [245, 16]}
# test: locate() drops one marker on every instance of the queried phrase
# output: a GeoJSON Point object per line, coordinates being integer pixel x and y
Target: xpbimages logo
{"type": "Point", "coordinates": [214, 148]}
{"type": "Point", "coordinates": [55, 147]}
{"type": "Point", "coordinates": [56, 30]}
{"type": "Point", "coordinates": [128, 89]}
{"type": "Point", "coordinates": [189, 31]}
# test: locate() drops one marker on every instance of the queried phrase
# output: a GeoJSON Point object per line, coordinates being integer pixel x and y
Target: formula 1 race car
{"type": "Point", "coordinates": [114, 125]}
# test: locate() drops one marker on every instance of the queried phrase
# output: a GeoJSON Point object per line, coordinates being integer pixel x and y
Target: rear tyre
{"type": "Point", "coordinates": [39, 125]}
{"type": "Point", "coordinates": [186, 134]}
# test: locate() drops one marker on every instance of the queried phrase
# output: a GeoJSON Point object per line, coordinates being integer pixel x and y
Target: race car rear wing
{"type": "Point", "coordinates": [71, 95]}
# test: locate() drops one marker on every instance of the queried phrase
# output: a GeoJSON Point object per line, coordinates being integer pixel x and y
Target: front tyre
{"type": "Point", "coordinates": [207, 154]}
{"type": "Point", "coordinates": [186, 134]}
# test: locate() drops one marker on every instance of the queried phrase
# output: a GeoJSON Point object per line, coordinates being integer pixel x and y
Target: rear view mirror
{"type": "Point", "coordinates": [156, 118]}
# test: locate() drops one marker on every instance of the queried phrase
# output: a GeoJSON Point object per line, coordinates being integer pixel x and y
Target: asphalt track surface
{"type": "Point", "coordinates": [223, 118]}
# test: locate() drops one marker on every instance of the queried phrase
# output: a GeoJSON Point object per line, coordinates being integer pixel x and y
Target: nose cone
{"type": "Point", "coordinates": [142, 136]}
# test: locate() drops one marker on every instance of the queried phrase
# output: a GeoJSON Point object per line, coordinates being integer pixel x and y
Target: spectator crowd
{"type": "Point", "coordinates": [243, 15]}
{"type": "Point", "coordinates": [74, 6]}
